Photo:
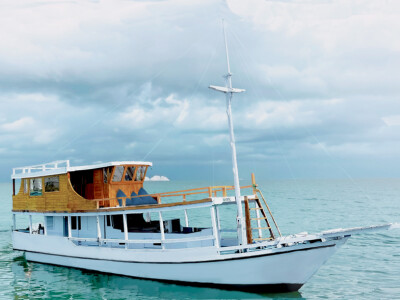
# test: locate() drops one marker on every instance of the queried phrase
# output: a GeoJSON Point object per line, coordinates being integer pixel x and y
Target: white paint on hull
{"type": "Point", "coordinates": [293, 265]}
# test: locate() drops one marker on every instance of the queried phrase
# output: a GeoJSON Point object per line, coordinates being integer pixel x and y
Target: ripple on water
{"type": "Point", "coordinates": [367, 267]}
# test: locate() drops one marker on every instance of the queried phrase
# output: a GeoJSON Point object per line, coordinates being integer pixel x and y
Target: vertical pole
{"type": "Point", "coordinates": [254, 184]}
{"type": "Point", "coordinates": [30, 224]}
{"type": "Point", "coordinates": [240, 227]}
{"type": "Point", "coordinates": [98, 229]}
{"type": "Point", "coordinates": [214, 226]}
{"type": "Point", "coordinates": [258, 219]}
{"type": "Point", "coordinates": [162, 230]}
{"type": "Point", "coordinates": [45, 225]}
{"type": "Point", "coordinates": [13, 187]}
{"type": "Point", "coordinates": [186, 219]}
{"type": "Point", "coordinates": [125, 227]}
{"type": "Point", "coordinates": [218, 219]}
{"type": "Point", "coordinates": [248, 221]}
{"type": "Point", "coordinates": [14, 222]}
{"type": "Point", "coordinates": [69, 227]}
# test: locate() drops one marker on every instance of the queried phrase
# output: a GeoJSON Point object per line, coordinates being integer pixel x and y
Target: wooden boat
{"type": "Point", "coordinates": [100, 217]}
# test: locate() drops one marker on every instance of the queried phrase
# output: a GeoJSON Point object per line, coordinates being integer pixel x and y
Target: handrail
{"type": "Point", "coordinates": [54, 165]}
{"type": "Point", "coordinates": [211, 191]}
{"type": "Point", "coordinates": [147, 241]}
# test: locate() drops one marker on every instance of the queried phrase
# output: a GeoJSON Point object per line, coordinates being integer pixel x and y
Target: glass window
{"type": "Point", "coordinates": [107, 173]}
{"type": "Point", "coordinates": [36, 187]}
{"type": "Point", "coordinates": [49, 221]}
{"type": "Point", "coordinates": [51, 184]}
{"type": "Point", "coordinates": [25, 186]}
{"type": "Point", "coordinates": [119, 171]}
{"type": "Point", "coordinates": [76, 223]}
{"type": "Point", "coordinates": [129, 173]}
{"type": "Point", "coordinates": [140, 173]}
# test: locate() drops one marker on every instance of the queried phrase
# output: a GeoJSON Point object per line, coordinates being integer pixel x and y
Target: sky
{"type": "Point", "coordinates": [97, 81]}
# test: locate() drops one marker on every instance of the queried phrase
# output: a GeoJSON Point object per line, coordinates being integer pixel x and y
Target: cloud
{"type": "Point", "coordinates": [18, 125]}
{"type": "Point", "coordinates": [98, 81]}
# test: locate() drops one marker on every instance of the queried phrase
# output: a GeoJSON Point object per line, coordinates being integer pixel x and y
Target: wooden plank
{"type": "Point", "coordinates": [128, 208]}
{"type": "Point", "coordinates": [254, 184]}
{"type": "Point", "coordinates": [248, 221]}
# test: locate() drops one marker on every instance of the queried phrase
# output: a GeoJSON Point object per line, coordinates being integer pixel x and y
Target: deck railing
{"type": "Point", "coordinates": [211, 191]}
{"type": "Point", "coordinates": [41, 168]}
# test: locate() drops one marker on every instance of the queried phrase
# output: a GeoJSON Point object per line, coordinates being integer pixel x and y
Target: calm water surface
{"type": "Point", "coordinates": [367, 267]}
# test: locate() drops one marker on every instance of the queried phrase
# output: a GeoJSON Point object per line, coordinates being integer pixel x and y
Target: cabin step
{"type": "Point", "coordinates": [252, 208]}
{"type": "Point", "coordinates": [256, 228]}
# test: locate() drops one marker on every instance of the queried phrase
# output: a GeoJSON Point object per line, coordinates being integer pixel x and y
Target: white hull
{"type": "Point", "coordinates": [275, 269]}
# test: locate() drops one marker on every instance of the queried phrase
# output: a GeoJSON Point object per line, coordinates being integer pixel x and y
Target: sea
{"type": "Point", "coordinates": [366, 267]}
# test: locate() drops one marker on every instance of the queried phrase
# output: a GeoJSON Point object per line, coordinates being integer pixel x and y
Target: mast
{"type": "Point", "coordinates": [229, 91]}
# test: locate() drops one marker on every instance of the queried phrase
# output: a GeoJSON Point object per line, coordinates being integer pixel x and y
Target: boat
{"type": "Point", "coordinates": [101, 218]}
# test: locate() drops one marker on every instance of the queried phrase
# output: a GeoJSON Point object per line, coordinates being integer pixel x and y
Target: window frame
{"type": "Point", "coordinates": [123, 174]}
{"type": "Point", "coordinates": [30, 192]}
{"type": "Point", "coordinates": [144, 174]}
{"type": "Point", "coordinates": [26, 185]}
{"type": "Point", "coordinates": [44, 180]}
{"type": "Point", "coordinates": [133, 175]}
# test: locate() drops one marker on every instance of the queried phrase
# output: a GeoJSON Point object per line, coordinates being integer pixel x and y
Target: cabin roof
{"type": "Point", "coordinates": [63, 166]}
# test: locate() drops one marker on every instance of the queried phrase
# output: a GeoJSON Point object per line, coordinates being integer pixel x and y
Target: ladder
{"type": "Point", "coordinates": [260, 216]}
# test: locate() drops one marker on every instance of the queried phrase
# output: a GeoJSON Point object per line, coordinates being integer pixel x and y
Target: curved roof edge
{"type": "Point", "coordinates": [54, 168]}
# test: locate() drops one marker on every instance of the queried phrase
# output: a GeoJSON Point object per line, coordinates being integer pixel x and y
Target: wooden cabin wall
{"type": "Point", "coordinates": [91, 185]}
{"type": "Point", "coordinates": [66, 199]}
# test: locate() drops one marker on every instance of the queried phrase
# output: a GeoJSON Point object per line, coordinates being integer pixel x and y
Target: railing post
{"type": "Point", "coordinates": [258, 219]}
{"type": "Point", "coordinates": [45, 224]}
{"type": "Point", "coordinates": [14, 222]}
{"type": "Point", "coordinates": [215, 227]}
{"type": "Point", "coordinates": [125, 227]}
{"type": "Point", "coordinates": [30, 224]}
{"type": "Point", "coordinates": [162, 230]}
{"type": "Point", "coordinates": [98, 229]}
{"type": "Point", "coordinates": [254, 184]}
{"type": "Point", "coordinates": [217, 215]}
{"type": "Point", "coordinates": [158, 199]}
{"type": "Point", "coordinates": [210, 191]}
{"type": "Point", "coordinates": [69, 227]}
{"type": "Point", "coordinates": [186, 219]}
{"type": "Point", "coordinates": [224, 191]}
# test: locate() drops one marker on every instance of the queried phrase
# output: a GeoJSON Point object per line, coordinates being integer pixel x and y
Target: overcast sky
{"type": "Point", "coordinates": [95, 81]}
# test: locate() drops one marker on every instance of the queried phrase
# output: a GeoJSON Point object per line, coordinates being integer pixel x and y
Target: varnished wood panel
{"type": "Point", "coordinates": [66, 199]}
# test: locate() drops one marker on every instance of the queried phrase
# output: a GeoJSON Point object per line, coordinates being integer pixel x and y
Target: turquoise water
{"type": "Point", "coordinates": [367, 267]}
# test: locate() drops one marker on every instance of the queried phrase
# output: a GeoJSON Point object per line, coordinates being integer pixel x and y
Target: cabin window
{"type": "Point", "coordinates": [140, 173]}
{"type": "Point", "coordinates": [107, 174]}
{"type": "Point", "coordinates": [25, 186]}
{"type": "Point", "coordinates": [50, 223]}
{"type": "Point", "coordinates": [51, 184]}
{"type": "Point", "coordinates": [118, 222]}
{"type": "Point", "coordinates": [76, 223]}
{"type": "Point", "coordinates": [119, 171]}
{"type": "Point", "coordinates": [108, 221]}
{"type": "Point", "coordinates": [130, 171]}
{"type": "Point", "coordinates": [36, 187]}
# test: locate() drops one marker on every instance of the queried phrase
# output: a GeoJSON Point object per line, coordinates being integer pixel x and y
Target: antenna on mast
{"type": "Point", "coordinates": [229, 91]}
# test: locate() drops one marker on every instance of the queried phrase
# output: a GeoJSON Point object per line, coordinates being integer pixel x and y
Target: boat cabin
{"type": "Point", "coordinates": [58, 187]}
{"type": "Point", "coordinates": [107, 205]}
